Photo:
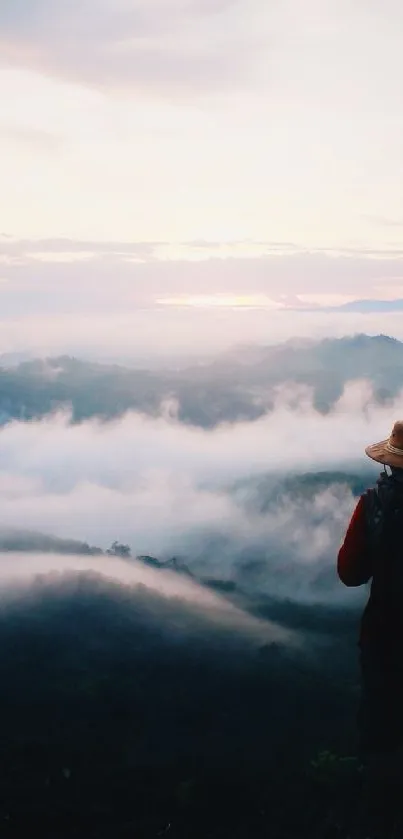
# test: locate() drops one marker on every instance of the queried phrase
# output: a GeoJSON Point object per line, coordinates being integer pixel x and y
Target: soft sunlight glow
{"type": "Point", "coordinates": [224, 300]}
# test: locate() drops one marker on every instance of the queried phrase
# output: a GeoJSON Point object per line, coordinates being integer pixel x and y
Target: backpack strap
{"type": "Point", "coordinates": [379, 502]}
{"type": "Point", "coordinates": [374, 515]}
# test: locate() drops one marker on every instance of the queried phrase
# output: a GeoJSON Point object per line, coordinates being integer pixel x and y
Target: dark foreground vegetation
{"type": "Point", "coordinates": [125, 714]}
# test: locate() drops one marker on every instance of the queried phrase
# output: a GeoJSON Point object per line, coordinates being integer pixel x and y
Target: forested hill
{"type": "Point", "coordinates": [238, 385]}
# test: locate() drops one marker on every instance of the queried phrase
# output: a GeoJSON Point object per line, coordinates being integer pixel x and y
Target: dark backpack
{"type": "Point", "coordinates": [384, 515]}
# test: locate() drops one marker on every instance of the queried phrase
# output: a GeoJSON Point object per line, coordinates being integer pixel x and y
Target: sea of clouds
{"type": "Point", "coordinates": [168, 489]}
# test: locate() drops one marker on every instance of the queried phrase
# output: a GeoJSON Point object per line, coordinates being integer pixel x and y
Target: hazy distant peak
{"type": "Point", "coordinates": [371, 306]}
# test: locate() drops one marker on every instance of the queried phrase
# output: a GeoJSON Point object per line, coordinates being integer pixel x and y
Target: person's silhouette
{"type": "Point", "coordinates": [373, 551]}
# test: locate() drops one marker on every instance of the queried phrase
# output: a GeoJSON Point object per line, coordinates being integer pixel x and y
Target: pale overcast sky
{"type": "Point", "coordinates": [182, 119]}
{"type": "Point", "coordinates": [268, 129]}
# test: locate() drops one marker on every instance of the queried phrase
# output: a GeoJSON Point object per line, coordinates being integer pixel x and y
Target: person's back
{"type": "Point", "coordinates": [373, 551]}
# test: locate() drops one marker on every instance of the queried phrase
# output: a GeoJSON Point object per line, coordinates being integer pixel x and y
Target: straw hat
{"type": "Point", "coordinates": [389, 452]}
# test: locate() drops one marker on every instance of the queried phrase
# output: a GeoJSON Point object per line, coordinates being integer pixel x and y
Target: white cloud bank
{"type": "Point", "coordinates": [162, 487]}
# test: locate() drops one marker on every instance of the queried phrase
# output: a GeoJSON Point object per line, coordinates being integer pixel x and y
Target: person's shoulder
{"type": "Point", "coordinates": [378, 491]}
{"type": "Point", "coordinates": [360, 510]}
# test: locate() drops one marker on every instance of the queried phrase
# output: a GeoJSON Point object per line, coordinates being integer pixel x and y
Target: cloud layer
{"type": "Point", "coordinates": [166, 489]}
{"type": "Point", "coordinates": [179, 120]}
{"type": "Point", "coordinates": [126, 299]}
{"type": "Point", "coordinates": [174, 45]}
{"type": "Point", "coordinates": [148, 337]}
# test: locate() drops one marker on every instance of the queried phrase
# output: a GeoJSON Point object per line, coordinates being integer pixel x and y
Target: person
{"type": "Point", "coordinates": [372, 552]}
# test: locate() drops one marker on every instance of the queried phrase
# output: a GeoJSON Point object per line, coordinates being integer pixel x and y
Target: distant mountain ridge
{"type": "Point", "coordinates": [371, 306]}
{"type": "Point", "coordinates": [15, 540]}
{"type": "Point", "coordinates": [239, 385]}
{"type": "Point", "coordinates": [359, 306]}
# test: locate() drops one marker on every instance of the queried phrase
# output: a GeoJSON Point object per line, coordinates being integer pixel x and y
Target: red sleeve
{"type": "Point", "coordinates": [353, 561]}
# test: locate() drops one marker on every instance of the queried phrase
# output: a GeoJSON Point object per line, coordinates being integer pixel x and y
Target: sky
{"type": "Point", "coordinates": [234, 152]}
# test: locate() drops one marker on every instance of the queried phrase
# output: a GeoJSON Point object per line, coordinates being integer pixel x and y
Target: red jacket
{"type": "Point", "coordinates": [382, 621]}
{"type": "Point", "coordinates": [354, 565]}
{"type": "Point", "coordinates": [353, 562]}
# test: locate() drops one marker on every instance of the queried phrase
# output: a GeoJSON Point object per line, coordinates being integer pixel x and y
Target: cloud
{"type": "Point", "coordinates": [147, 336]}
{"type": "Point", "coordinates": [19, 571]}
{"type": "Point", "coordinates": [39, 141]}
{"type": "Point", "coordinates": [64, 257]}
{"type": "Point", "coordinates": [382, 221]}
{"type": "Point", "coordinates": [291, 147]}
{"type": "Point", "coordinates": [105, 298]}
{"type": "Point", "coordinates": [232, 265]}
{"type": "Point", "coordinates": [170, 46]}
{"type": "Point", "coordinates": [34, 248]}
{"type": "Point", "coordinates": [166, 489]}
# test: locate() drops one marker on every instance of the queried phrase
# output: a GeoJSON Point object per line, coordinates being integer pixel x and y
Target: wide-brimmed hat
{"type": "Point", "coordinates": [390, 451]}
